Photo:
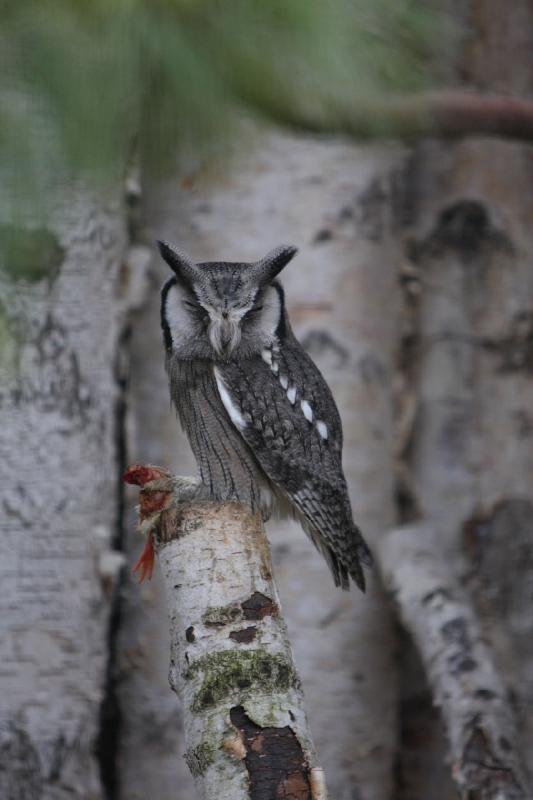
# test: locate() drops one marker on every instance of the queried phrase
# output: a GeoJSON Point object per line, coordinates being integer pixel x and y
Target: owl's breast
{"type": "Point", "coordinates": [225, 462]}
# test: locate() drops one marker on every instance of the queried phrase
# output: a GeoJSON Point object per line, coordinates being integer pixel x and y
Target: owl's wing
{"type": "Point", "coordinates": [285, 412]}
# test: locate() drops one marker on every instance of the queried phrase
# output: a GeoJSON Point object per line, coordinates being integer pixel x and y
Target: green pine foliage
{"type": "Point", "coordinates": [82, 80]}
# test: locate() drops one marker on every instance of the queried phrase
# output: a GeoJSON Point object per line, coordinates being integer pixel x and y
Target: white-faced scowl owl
{"type": "Point", "coordinates": [260, 418]}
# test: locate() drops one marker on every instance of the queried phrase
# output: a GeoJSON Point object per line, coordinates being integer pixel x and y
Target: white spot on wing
{"type": "Point", "coordinates": [234, 413]}
{"type": "Point", "coordinates": [291, 394]}
{"type": "Point", "coordinates": [266, 355]}
{"type": "Point", "coordinates": [283, 379]}
{"type": "Point", "coordinates": [275, 367]}
{"type": "Point", "coordinates": [308, 411]}
{"type": "Point", "coordinates": [322, 429]}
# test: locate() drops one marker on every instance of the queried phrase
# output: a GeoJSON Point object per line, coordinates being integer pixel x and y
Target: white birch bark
{"type": "Point", "coordinates": [336, 203]}
{"type": "Point", "coordinates": [480, 724]}
{"type": "Point", "coordinates": [470, 456]}
{"type": "Point", "coordinates": [59, 474]}
{"type": "Point", "coordinates": [498, 534]}
{"type": "Point", "coordinates": [231, 664]}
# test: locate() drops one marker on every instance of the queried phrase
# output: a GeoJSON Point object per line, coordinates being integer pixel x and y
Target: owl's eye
{"type": "Point", "coordinates": [252, 311]}
{"type": "Point", "coordinates": [197, 309]}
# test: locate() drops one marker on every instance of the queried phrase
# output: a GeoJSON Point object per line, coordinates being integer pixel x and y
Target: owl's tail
{"type": "Point", "coordinates": [344, 554]}
{"type": "Point", "coordinates": [352, 564]}
{"type": "Point", "coordinates": [346, 565]}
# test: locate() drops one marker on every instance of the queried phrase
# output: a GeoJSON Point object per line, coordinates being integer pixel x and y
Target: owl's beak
{"type": "Point", "coordinates": [225, 335]}
{"type": "Point", "coordinates": [227, 329]}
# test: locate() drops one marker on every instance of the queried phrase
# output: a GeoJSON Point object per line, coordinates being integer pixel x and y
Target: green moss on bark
{"type": "Point", "coordinates": [199, 758]}
{"type": "Point", "coordinates": [30, 254]}
{"type": "Point", "coordinates": [243, 671]}
{"type": "Point", "coordinates": [216, 616]}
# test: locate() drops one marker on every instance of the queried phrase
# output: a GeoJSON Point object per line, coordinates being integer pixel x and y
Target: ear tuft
{"type": "Point", "coordinates": [274, 261]}
{"type": "Point", "coordinates": [178, 262]}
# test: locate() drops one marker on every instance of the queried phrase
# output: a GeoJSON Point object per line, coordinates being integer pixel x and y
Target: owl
{"type": "Point", "coordinates": [259, 416]}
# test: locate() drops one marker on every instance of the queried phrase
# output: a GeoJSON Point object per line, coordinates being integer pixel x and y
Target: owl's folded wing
{"type": "Point", "coordinates": [285, 412]}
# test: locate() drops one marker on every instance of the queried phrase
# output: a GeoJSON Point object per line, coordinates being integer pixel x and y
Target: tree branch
{"type": "Point", "coordinates": [446, 114]}
{"type": "Point", "coordinates": [460, 667]}
{"type": "Point", "coordinates": [231, 664]}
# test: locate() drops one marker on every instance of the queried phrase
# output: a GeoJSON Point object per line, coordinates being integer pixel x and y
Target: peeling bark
{"type": "Point", "coordinates": [274, 760]}
{"type": "Point", "coordinates": [245, 727]}
{"type": "Point", "coordinates": [464, 680]}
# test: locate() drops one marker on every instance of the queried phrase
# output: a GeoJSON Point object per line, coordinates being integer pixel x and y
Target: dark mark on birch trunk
{"type": "Point", "coordinates": [320, 343]}
{"type": "Point", "coordinates": [258, 606]}
{"type": "Point", "coordinates": [497, 543]}
{"type": "Point", "coordinates": [436, 594]}
{"type": "Point", "coordinates": [487, 775]}
{"type": "Point", "coordinates": [189, 634]}
{"type": "Point", "coordinates": [514, 348]}
{"type": "Point", "coordinates": [485, 694]}
{"type": "Point", "coordinates": [465, 227]}
{"type": "Point", "coordinates": [455, 632]}
{"type": "Point", "coordinates": [274, 760]}
{"type": "Point", "coordinates": [244, 636]}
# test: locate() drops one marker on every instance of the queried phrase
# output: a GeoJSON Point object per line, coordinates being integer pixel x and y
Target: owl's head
{"type": "Point", "coordinates": [220, 308]}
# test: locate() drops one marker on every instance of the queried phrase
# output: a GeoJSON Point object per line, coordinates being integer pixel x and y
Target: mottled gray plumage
{"type": "Point", "coordinates": [261, 420]}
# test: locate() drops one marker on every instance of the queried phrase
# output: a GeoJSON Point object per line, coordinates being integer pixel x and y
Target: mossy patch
{"type": "Point", "coordinates": [199, 758]}
{"type": "Point", "coordinates": [29, 254]}
{"type": "Point", "coordinates": [6, 339]}
{"type": "Point", "coordinates": [216, 616]}
{"type": "Point", "coordinates": [230, 671]}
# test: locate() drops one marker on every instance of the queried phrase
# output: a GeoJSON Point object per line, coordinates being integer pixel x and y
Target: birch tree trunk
{"type": "Point", "coordinates": [469, 456]}
{"type": "Point", "coordinates": [465, 684]}
{"type": "Point", "coordinates": [338, 204]}
{"type": "Point", "coordinates": [59, 471]}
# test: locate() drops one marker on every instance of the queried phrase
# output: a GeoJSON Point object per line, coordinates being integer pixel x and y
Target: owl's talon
{"type": "Point", "coordinates": [145, 563]}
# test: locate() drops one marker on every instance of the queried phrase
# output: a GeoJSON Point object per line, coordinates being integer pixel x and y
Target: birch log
{"type": "Point", "coordinates": [473, 699]}
{"type": "Point", "coordinates": [231, 664]}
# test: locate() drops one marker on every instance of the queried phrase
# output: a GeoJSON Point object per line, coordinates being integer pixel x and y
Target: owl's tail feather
{"type": "Point", "coordinates": [343, 565]}
{"type": "Point", "coordinates": [360, 556]}
{"type": "Point", "coordinates": [342, 573]}
{"type": "Point", "coordinates": [363, 552]}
